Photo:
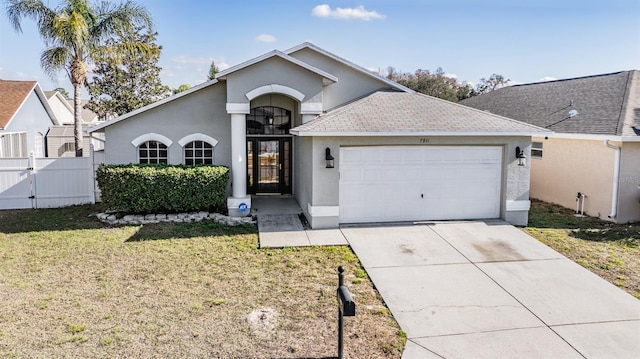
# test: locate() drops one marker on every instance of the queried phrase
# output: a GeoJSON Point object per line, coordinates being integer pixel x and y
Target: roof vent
{"type": "Point", "coordinates": [572, 113]}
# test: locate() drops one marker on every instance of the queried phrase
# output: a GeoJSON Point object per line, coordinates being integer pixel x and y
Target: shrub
{"type": "Point", "coordinates": [163, 188]}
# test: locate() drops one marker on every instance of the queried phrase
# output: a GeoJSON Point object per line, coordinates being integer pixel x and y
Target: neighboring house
{"type": "Point", "coordinates": [60, 140]}
{"type": "Point", "coordinates": [595, 150]}
{"type": "Point", "coordinates": [349, 145]}
{"type": "Point", "coordinates": [25, 118]}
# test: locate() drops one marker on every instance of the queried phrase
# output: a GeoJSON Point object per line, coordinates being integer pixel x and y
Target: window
{"type": "Point", "coordinates": [198, 153]}
{"type": "Point", "coordinates": [536, 150]}
{"type": "Point", "coordinates": [38, 147]}
{"type": "Point", "coordinates": [153, 152]}
{"type": "Point", "coordinates": [268, 120]}
{"type": "Point", "coordinates": [13, 145]}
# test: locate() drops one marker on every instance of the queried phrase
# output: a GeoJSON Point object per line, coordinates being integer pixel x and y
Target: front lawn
{"type": "Point", "coordinates": [73, 287]}
{"type": "Point", "coordinates": [610, 250]}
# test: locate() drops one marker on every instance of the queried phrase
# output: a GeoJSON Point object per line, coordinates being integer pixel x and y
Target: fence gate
{"type": "Point", "coordinates": [15, 183]}
{"type": "Point", "coordinates": [46, 182]}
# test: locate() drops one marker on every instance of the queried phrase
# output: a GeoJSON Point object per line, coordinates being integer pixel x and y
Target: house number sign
{"type": "Point", "coordinates": [424, 140]}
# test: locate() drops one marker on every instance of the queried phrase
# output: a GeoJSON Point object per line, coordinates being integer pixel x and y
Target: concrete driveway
{"type": "Point", "coordinates": [488, 290]}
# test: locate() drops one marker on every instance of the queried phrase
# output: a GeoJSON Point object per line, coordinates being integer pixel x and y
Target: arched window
{"type": "Point", "coordinates": [152, 152]}
{"type": "Point", "coordinates": [198, 153]}
{"type": "Point", "coordinates": [268, 120]}
{"type": "Point", "coordinates": [38, 147]}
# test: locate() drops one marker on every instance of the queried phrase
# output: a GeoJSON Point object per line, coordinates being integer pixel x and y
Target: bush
{"type": "Point", "coordinates": [163, 188]}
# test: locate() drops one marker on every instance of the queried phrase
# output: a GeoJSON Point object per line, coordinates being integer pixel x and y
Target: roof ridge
{"type": "Point", "coordinates": [478, 110]}
{"type": "Point", "coordinates": [568, 79]}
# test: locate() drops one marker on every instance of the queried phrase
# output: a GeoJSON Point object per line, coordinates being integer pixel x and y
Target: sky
{"type": "Point", "coordinates": [523, 40]}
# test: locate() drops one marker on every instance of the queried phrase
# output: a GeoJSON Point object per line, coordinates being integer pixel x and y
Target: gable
{"type": "Point", "coordinates": [355, 81]}
{"type": "Point", "coordinates": [12, 95]}
{"type": "Point", "coordinates": [274, 70]}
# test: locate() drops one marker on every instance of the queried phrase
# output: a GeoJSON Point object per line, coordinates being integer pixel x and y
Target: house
{"type": "Point", "coordinates": [349, 145]}
{"type": "Point", "coordinates": [61, 139]}
{"type": "Point", "coordinates": [592, 161]}
{"type": "Point", "coordinates": [25, 118]}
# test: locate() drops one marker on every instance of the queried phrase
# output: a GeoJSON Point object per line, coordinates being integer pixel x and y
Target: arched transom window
{"type": "Point", "coordinates": [152, 152]}
{"type": "Point", "coordinates": [268, 120]}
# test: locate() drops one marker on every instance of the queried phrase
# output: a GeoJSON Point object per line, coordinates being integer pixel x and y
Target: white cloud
{"type": "Point", "coordinates": [193, 70]}
{"type": "Point", "coordinates": [357, 13]}
{"type": "Point", "coordinates": [547, 78]}
{"type": "Point", "coordinates": [451, 76]}
{"type": "Point", "coordinates": [191, 60]}
{"type": "Point", "coordinates": [265, 38]}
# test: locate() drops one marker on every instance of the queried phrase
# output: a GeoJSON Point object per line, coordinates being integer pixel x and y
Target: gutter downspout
{"type": "Point", "coordinates": [616, 179]}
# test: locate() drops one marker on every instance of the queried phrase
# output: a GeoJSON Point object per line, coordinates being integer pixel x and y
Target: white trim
{"type": "Point", "coordinates": [325, 75]}
{"type": "Point", "coordinates": [518, 206]}
{"type": "Point", "coordinates": [151, 106]}
{"type": "Point", "coordinates": [349, 64]}
{"type": "Point", "coordinates": [584, 136]}
{"type": "Point", "coordinates": [311, 108]}
{"type": "Point", "coordinates": [151, 137]}
{"type": "Point", "coordinates": [275, 88]}
{"type": "Point", "coordinates": [414, 134]}
{"type": "Point", "coordinates": [198, 137]}
{"type": "Point", "coordinates": [238, 107]}
{"type": "Point", "coordinates": [323, 211]}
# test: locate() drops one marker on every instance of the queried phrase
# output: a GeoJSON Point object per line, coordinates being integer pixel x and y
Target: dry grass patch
{"type": "Point", "coordinates": [610, 250]}
{"type": "Point", "coordinates": [72, 287]}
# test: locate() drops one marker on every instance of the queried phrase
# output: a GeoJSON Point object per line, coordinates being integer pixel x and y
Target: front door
{"type": "Point", "coordinates": [269, 165]}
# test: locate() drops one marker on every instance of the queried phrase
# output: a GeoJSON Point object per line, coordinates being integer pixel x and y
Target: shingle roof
{"type": "Point", "coordinates": [388, 112]}
{"type": "Point", "coordinates": [600, 102]}
{"type": "Point", "coordinates": [12, 95]}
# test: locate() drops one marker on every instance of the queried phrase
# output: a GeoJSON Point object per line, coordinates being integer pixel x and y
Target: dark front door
{"type": "Point", "coordinates": [269, 165]}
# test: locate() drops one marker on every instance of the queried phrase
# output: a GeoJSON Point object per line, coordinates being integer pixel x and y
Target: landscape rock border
{"type": "Point", "coordinates": [137, 219]}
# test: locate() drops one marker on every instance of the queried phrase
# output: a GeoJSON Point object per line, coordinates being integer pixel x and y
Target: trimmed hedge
{"type": "Point", "coordinates": [163, 188]}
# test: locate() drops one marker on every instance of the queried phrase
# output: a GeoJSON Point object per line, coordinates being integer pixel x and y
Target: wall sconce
{"type": "Point", "coordinates": [328, 157]}
{"type": "Point", "coordinates": [522, 159]}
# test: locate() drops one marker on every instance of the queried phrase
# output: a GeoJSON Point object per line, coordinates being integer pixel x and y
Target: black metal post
{"type": "Point", "coordinates": [340, 317]}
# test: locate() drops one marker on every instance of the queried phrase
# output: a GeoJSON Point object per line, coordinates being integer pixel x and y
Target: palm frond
{"type": "Point", "coordinates": [55, 59]}
{"type": "Point", "coordinates": [113, 19]}
{"type": "Point", "coordinates": [32, 9]}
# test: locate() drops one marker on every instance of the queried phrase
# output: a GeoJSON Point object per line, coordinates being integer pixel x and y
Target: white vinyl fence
{"type": "Point", "coordinates": [48, 182]}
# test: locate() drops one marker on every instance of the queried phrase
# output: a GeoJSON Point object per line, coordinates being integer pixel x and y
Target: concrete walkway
{"type": "Point", "coordinates": [488, 290]}
{"type": "Point", "coordinates": [279, 225]}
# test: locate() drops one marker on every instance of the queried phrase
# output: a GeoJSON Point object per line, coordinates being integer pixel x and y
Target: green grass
{"type": "Point", "coordinates": [71, 286]}
{"type": "Point", "coordinates": [610, 250]}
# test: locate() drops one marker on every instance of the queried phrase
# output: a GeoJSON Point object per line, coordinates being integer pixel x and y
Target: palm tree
{"type": "Point", "coordinates": [75, 35]}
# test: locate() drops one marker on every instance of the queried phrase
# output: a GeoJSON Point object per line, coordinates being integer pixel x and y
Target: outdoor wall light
{"type": "Point", "coordinates": [522, 159]}
{"type": "Point", "coordinates": [328, 157]}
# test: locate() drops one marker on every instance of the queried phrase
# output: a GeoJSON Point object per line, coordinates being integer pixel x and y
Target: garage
{"type": "Point", "coordinates": [413, 183]}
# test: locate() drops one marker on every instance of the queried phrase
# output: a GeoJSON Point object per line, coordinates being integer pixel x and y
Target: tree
{"type": "Point", "coordinates": [465, 91]}
{"type": "Point", "coordinates": [213, 70]}
{"type": "Point", "coordinates": [183, 87]}
{"type": "Point", "coordinates": [121, 87]}
{"type": "Point", "coordinates": [63, 92]}
{"type": "Point", "coordinates": [436, 84]}
{"type": "Point", "coordinates": [75, 34]}
{"type": "Point", "coordinates": [494, 82]}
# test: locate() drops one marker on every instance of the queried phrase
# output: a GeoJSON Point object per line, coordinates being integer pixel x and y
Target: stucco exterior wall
{"type": "Point", "coordinates": [202, 111]}
{"type": "Point", "coordinates": [63, 114]}
{"type": "Point", "coordinates": [273, 71]}
{"type": "Point", "coordinates": [569, 166]}
{"type": "Point", "coordinates": [351, 83]}
{"type": "Point", "coordinates": [325, 187]}
{"type": "Point", "coordinates": [302, 171]}
{"type": "Point", "coordinates": [629, 184]}
{"type": "Point", "coordinates": [31, 118]}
